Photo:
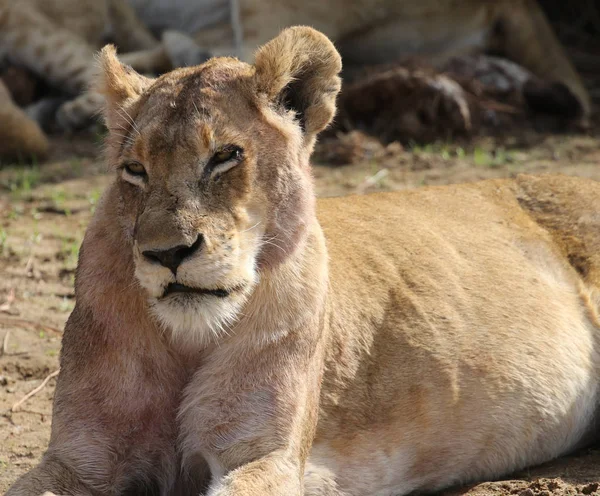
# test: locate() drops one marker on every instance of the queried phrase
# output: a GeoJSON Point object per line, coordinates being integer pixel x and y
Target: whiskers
{"type": "Point", "coordinates": [126, 139]}
{"type": "Point", "coordinates": [124, 133]}
{"type": "Point", "coordinates": [272, 242]}
{"type": "Point", "coordinates": [129, 119]}
{"type": "Point", "coordinates": [222, 328]}
{"type": "Point", "coordinates": [250, 228]}
{"type": "Point", "coordinates": [134, 284]}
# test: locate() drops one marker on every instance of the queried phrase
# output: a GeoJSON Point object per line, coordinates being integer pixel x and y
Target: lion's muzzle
{"type": "Point", "coordinates": [173, 257]}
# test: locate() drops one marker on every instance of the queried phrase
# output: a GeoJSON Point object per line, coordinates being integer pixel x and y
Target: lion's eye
{"type": "Point", "coordinates": [224, 156]}
{"type": "Point", "coordinates": [225, 159]}
{"type": "Point", "coordinates": [135, 169]}
{"type": "Point", "coordinates": [134, 173]}
{"type": "Point", "coordinates": [227, 154]}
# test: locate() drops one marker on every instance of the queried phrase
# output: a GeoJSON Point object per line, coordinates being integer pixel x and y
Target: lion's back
{"type": "Point", "coordinates": [463, 244]}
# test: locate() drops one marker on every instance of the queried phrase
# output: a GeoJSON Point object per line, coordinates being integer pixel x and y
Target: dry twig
{"type": "Point", "coordinates": [28, 323]}
{"type": "Point", "coordinates": [4, 350]}
{"type": "Point", "coordinates": [16, 406]}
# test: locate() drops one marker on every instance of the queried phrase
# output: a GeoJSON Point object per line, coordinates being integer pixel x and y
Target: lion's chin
{"type": "Point", "coordinates": [196, 317]}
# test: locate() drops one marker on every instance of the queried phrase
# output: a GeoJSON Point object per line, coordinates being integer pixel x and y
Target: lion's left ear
{"type": "Point", "coordinates": [119, 84]}
{"type": "Point", "coordinates": [299, 70]}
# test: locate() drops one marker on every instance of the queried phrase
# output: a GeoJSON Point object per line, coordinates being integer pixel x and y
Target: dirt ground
{"type": "Point", "coordinates": [44, 211]}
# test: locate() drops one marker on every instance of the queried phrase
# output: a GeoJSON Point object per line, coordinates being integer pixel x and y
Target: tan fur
{"type": "Point", "coordinates": [362, 345]}
{"type": "Point", "coordinates": [20, 137]}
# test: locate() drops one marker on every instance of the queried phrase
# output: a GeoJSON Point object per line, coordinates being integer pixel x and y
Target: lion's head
{"type": "Point", "coordinates": [212, 171]}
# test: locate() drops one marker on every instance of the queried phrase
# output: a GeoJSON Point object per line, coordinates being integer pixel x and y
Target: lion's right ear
{"type": "Point", "coordinates": [119, 84]}
{"type": "Point", "coordinates": [299, 70]}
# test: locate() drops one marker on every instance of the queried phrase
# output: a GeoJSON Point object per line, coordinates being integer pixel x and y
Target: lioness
{"type": "Point", "coordinates": [233, 335]}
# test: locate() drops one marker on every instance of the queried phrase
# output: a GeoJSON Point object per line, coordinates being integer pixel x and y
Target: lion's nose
{"type": "Point", "coordinates": [173, 257]}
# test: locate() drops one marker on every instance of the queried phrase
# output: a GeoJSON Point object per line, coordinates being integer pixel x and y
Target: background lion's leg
{"type": "Point", "coordinates": [79, 112]}
{"type": "Point", "coordinates": [155, 60]}
{"type": "Point", "coordinates": [20, 136]}
{"type": "Point", "coordinates": [129, 32]}
{"type": "Point", "coordinates": [65, 60]}
{"type": "Point", "coordinates": [523, 34]}
{"type": "Point", "coordinates": [57, 55]}
{"type": "Point", "coordinates": [179, 50]}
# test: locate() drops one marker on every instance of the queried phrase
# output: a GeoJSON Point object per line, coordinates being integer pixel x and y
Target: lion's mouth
{"type": "Point", "coordinates": [176, 288]}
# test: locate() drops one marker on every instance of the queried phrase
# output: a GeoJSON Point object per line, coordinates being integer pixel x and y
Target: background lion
{"type": "Point", "coordinates": [56, 39]}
